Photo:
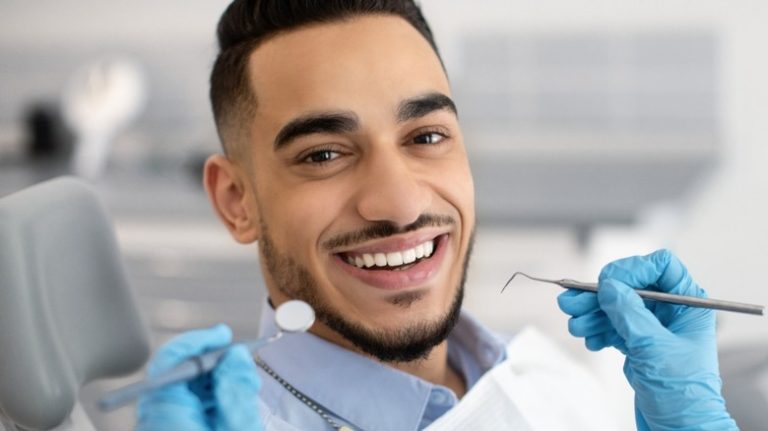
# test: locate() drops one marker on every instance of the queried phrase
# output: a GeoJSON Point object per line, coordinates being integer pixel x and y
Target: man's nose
{"type": "Point", "coordinates": [392, 191]}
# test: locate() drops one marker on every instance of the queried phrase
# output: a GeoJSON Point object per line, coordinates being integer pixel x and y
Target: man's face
{"type": "Point", "coordinates": [360, 178]}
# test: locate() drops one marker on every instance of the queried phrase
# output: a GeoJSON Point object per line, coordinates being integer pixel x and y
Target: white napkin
{"type": "Point", "coordinates": [537, 388]}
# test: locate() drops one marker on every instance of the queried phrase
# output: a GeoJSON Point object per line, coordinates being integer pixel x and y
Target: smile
{"type": "Point", "coordinates": [393, 259]}
{"type": "Point", "coordinates": [396, 264]}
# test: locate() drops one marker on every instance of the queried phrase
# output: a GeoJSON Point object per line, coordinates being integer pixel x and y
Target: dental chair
{"type": "Point", "coordinates": [67, 313]}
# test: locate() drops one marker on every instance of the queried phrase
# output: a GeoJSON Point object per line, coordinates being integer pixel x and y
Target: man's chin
{"type": "Point", "coordinates": [405, 343]}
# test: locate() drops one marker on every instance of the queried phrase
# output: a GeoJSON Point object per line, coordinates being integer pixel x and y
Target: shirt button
{"type": "Point", "coordinates": [490, 355]}
{"type": "Point", "coordinates": [439, 397]}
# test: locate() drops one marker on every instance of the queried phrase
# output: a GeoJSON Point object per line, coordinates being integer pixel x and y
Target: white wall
{"type": "Point", "coordinates": [725, 235]}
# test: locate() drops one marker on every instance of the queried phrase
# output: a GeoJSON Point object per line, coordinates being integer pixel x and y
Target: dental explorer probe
{"type": "Point", "coordinates": [693, 301]}
{"type": "Point", "coordinates": [290, 317]}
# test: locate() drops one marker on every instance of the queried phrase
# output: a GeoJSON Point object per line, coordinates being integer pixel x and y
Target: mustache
{"type": "Point", "coordinates": [386, 229]}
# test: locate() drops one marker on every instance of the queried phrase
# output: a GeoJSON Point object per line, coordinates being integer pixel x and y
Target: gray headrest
{"type": "Point", "coordinates": [67, 313]}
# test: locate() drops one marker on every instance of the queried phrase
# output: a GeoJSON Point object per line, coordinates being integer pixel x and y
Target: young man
{"type": "Point", "coordinates": [344, 159]}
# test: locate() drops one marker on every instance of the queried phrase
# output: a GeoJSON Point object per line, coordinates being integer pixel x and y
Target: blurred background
{"type": "Point", "coordinates": [596, 130]}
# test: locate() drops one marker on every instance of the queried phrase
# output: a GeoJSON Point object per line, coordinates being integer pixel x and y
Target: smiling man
{"type": "Point", "coordinates": [353, 176]}
{"type": "Point", "coordinates": [343, 158]}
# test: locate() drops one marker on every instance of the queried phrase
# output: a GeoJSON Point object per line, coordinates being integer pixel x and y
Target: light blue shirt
{"type": "Point", "coordinates": [367, 394]}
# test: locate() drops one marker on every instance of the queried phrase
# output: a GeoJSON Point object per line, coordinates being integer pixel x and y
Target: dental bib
{"type": "Point", "coordinates": [538, 388]}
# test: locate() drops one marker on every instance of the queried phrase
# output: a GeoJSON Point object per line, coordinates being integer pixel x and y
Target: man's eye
{"type": "Point", "coordinates": [321, 156]}
{"type": "Point", "coordinates": [428, 138]}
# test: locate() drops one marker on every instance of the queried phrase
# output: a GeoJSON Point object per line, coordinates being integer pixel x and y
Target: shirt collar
{"type": "Point", "coordinates": [392, 399]}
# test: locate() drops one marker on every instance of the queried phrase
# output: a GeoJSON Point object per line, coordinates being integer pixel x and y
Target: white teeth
{"type": "Point", "coordinates": [429, 247]}
{"type": "Point", "coordinates": [393, 259]}
{"type": "Point", "coordinates": [409, 256]}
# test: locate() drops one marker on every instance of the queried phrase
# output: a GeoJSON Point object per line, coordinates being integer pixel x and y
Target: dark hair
{"type": "Point", "coordinates": [247, 23]}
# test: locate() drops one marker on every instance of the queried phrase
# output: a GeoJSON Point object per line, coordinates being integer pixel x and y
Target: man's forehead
{"type": "Point", "coordinates": [350, 65]}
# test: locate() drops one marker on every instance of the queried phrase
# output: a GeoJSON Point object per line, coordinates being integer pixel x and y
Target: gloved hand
{"type": "Point", "coordinates": [223, 400]}
{"type": "Point", "coordinates": [671, 351]}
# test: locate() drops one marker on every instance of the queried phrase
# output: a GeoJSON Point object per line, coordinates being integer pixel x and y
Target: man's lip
{"type": "Point", "coordinates": [396, 243]}
{"type": "Point", "coordinates": [414, 276]}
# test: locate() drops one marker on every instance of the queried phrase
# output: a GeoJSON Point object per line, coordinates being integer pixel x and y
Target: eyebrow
{"type": "Point", "coordinates": [320, 122]}
{"type": "Point", "coordinates": [332, 122]}
{"type": "Point", "coordinates": [419, 106]}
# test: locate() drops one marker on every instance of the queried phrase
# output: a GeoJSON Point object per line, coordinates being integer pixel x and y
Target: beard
{"type": "Point", "coordinates": [404, 344]}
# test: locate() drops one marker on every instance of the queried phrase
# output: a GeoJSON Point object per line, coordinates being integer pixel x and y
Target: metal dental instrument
{"type": "Point", "coordinates": [693, 301]}
{"type": "Point", "coordinates": [290, 317]}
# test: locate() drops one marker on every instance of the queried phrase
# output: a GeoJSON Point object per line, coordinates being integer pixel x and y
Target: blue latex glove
{"type": "Point", "coordinates": [671, 351]}
{"type": "Point", "coordinates": [223, 400]}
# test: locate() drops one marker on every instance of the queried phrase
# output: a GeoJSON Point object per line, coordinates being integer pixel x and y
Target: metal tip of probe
{"type": "Point", "coordinates": [513, 277]}
{"type": "Point", "coordinates": [510, 280]}
{"type": "Point", "coordinates": [543, 280]}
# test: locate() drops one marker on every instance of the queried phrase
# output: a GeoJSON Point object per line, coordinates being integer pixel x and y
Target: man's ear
{"type": "Point", "coordinates": [232, 199]}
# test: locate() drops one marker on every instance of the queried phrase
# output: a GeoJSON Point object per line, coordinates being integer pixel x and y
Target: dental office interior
{"type": "Point", "coordinates": [595, 129]}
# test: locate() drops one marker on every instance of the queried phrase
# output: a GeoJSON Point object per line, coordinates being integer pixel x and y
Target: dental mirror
{"type": "Point", "coordinates": [294, 316]}
{"type": "Point", "coordinates": [290, 317]}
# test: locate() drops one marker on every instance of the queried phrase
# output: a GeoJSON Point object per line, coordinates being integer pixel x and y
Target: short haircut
{"type": "Point", "coordinates": [247, 23]}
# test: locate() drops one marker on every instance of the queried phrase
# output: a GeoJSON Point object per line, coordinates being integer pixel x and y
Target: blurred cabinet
{"type": "Point", "coordinates": [587, 127]}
